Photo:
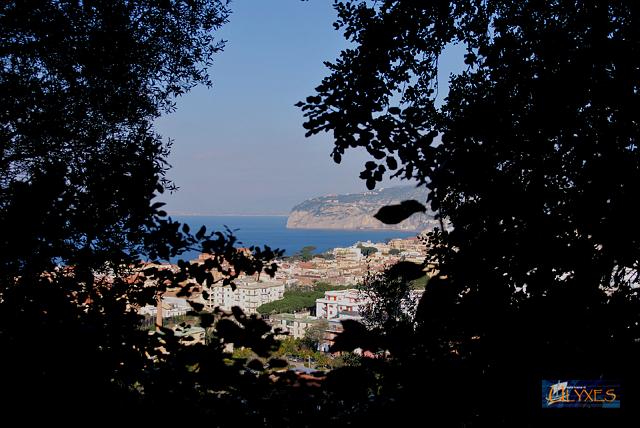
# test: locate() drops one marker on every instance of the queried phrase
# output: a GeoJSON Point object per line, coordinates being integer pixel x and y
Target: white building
{"type": "Point", "coordinates": [335, 302]}
{"type": "Point", "coordinates": [350, 254]}
{"type": "Point", "coordinates": [294, 324]}
{"type": "Point", "coordinates": [247, 295]}
{"type": "Point", "coordinates": [171, 307]}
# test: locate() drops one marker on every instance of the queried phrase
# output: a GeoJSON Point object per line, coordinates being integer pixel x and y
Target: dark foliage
{"type": "Point", "coordinates": [81, 84]}
{"type": "Point", "coordinates": [394, 214]}
{"type": "Point", "coordinates": [80, 168]}
{"type": "Point", "coordinates": [533, 160]}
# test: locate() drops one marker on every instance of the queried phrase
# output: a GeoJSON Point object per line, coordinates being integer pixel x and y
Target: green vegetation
{"type": "Point", "coordinates": [314, 334]}
{"type": "Point", "coordinates": [325, 286]}
{"type": "Point", "coordinates": [394, 251]}
{"type": "Point", "coordinates": [300, 351]}
{"type": "Point", "coordinates": [305, 254]}
{"type": "Point", "coordinates": [299, 299]}
{"type": "Point", "coordinates": [293, 301]}
{"type": "Point", "coordinates": [243, 354]}
{"type": "Point", "coordinates": [420, 283]}
{"type": "Point", "coordinates": [148, 323]}
{"type": "Point", "coordinates": [326, 256]}
{"type": "Point", "coordinates": [304, 351]}
{"type": "Point", "coordinates": [367, 251]}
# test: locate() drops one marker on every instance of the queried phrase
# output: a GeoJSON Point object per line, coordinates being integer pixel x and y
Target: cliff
{"type": "Point", "coordinates": [356, 210]}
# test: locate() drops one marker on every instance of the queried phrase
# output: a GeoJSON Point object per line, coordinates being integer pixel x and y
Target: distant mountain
{"type": "Point", "coordinates": [356, 210]}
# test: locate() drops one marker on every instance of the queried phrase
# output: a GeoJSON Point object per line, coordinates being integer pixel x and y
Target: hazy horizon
{"type": "Point", "coordinates": [186, 213]}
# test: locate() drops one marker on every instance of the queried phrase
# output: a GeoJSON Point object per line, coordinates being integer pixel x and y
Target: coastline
{"type": "Point", "coordinates": [272, 231]}
{"type": "Point", "coordinates": [182, 214]}
{"type": "Point", "coordinates": [358, 229]}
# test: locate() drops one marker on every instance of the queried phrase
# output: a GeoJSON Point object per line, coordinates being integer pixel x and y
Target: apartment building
{"type": "Point", "coordinates": [248, 295]}
{"type": "Point", "coordinates": [171, 307]}
{"type": "Point", "coordinates": [335, 302]}
{"type": "Point", "coordinates": [294, 324]}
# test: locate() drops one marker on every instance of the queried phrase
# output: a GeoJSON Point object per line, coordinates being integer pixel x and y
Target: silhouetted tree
{"type": "Point", "coordinates": [81, 83]}
{"type": "Point", "coordinates": [532, 158]}
{"type": "Point", "coordinates": [389, 303]}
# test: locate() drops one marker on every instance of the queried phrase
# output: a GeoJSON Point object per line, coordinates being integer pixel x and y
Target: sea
{"type": "Point", "coordinates": [272, 231]}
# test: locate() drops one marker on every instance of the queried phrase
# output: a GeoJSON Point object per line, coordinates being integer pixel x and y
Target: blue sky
{"type": "Point", "coordinates": [239, 147]}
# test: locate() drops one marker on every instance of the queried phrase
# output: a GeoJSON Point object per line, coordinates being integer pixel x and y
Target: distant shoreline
{"type": "Point", "coordinates": [358, 229]}
{"type": "Point", "coordinates": [272, 231]}
{"type": "Point", "coordinates": [179, 214]}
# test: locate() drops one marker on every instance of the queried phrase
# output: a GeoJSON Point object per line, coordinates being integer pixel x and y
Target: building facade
{"type": "Point", "coordinates": [247, 295]}
{"type": "Point", "coordinates": [335, 302]}
{"type": "Point", "coordinates": [294, 324]}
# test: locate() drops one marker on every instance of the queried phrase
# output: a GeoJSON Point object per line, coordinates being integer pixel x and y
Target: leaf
{"type": "Point", "coordinates": [184, 292]}
{"type": "Point", "coordinates": [379, 173]}
{"type": "Point", "coordinates": [256, 365]}
{"type": "Point", "coordinates": [470, 58]}
{"type": "Point", "coordinates": [201, 232]}
{"type": "Point", "coordinates": [371, 184]}
{"type": "Point", "coordinates": [206, 320]}
{"type": "Point", "coordinates": [354, 335]}
{"type": "Point", "coordinates": [239, 314]}
{"type": "Point", "coordinates": [407, 270]}
{"type": "Point", "coordinates": [198, 307]}
{"type": "Point", "coordinates": [394, 214]}
{"type": "Point", "coordinates": [391, 162]}
{"type": "Point", "coordinates": [378, 154]}
{"type": "Point", "coordinates": [277, 363]}
{"type": "Point", "coordinates": [229, 331]}
{"type": "Point", "coordinates": [167, 331]}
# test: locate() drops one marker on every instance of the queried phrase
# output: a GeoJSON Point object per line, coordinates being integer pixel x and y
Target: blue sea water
{"type": "Point", "coordinates": [272, 231]}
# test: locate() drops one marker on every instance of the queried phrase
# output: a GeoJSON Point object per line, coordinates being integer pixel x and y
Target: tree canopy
{"type": "Point", "coordinates": [81, 84]}
{"type": "Point", "coordinates": [367, 251]}
{"type": "Point", "coordinates": [81, 169]}
{"type": "Point", "coordinates": [536, 136]}
{"type": "Point", "coordinates": [531, 158]}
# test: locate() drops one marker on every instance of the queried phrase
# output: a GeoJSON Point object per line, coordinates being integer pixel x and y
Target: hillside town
{"type": "Point", "coordinates": [341, 268]}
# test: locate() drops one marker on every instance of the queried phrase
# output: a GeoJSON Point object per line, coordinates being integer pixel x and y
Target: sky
{"type": "Point", "coordinates": [239, 147]}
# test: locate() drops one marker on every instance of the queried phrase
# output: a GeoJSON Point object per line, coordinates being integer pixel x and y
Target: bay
{"type": "Point", "coordinates": [272, 231]}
